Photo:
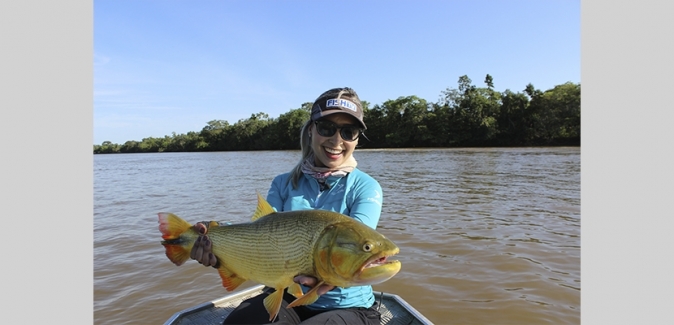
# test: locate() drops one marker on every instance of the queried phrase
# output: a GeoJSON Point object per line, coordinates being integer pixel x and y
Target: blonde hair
{"type": "Point", "coordinates": [305, 145]}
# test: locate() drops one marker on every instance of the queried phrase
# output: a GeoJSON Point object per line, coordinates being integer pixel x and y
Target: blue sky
{"type": "Point", "coordinates": [172, 66]}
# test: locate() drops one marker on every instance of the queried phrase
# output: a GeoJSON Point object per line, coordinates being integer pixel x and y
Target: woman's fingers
{"type": "Point", "coordinates": [310, 281]}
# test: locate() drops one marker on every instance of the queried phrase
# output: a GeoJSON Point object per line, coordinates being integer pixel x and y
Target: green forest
{"type": "Point", "coordinates": [466, 116]}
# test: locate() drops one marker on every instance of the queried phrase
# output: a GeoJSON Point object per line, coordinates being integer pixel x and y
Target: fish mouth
{"type": "Point", "coordinates": [375, 261]}
{"type": "Point", "coordinates": [378, 269]}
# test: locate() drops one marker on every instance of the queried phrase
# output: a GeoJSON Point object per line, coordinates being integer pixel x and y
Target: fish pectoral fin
{"type": "Point", "coordinates": [230, 280]}
{"type": "Point", "coordinates": [273, 303]}
{"type": "Point", "coordinates": [307, 299]}
{"type": "Point", "coordinates": [296, 290]}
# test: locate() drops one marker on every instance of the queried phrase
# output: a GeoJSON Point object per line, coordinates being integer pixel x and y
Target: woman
{"type": "Point", "coordinates": [325, 178]}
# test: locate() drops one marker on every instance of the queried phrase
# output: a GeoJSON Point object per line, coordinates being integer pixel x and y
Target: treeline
{"type": "Point", "coordinates": [467, 116]}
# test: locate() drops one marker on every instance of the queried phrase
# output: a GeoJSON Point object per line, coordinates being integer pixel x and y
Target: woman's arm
{"type": "Point", "coordinates": [367, 204]}
{"type": "Point", "coordinates": [274, 194]}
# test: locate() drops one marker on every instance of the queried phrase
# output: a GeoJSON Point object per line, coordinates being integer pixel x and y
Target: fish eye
{"type": "Point", "coordinates": [367, 247]}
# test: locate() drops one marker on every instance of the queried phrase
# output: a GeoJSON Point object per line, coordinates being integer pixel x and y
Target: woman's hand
{"type": "Point", "coordinates": [202, 249]}
{"type": "Point", "coordinates": [310, 281]}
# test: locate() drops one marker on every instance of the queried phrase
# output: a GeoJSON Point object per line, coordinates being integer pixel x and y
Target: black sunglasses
{"type": "Point", "coordinates": [328, 129]}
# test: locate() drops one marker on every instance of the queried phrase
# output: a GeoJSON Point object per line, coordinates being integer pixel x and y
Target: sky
{"type": "Point", "coordinates": [171, 66]}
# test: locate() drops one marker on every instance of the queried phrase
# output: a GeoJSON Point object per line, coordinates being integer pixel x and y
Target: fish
{"type": "Point", "coordinates": [274, 247]}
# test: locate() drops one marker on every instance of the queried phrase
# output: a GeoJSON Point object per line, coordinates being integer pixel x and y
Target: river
{"type": "Point", "coordinates": [486, 235]}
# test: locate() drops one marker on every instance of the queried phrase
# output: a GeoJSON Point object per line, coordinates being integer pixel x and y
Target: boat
{"type": "Point", "coordinates": [394, 310]}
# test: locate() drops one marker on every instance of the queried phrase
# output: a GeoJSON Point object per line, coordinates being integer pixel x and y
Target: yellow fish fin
{"type": "Point", "coordinates": [307, 299]}
{"type": "Point", "coordinates": [177, 254]}
{"type": "Point", "coordinates": [171, 227]}
{"type": "Point", "coordinates": [273, 303]}
{"type": "Point", "coordinates": [229, 280]}
{"type": "Point", "coordinates": [296, 290]}
{"type": "Point", "coordinates": [263, 208]}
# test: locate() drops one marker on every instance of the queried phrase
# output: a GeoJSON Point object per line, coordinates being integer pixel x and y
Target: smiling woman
{"type": "Point", "coordinates": [325, 178]}
{"type": "Point", "coordinates": [323, 148]}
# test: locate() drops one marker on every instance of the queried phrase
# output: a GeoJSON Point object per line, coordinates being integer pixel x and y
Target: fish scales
{"type": "Point", "coordinates": [269, 247]}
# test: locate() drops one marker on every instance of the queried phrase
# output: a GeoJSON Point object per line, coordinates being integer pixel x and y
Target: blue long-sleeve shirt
{"type": "Point", "coordinates": [357, 195]}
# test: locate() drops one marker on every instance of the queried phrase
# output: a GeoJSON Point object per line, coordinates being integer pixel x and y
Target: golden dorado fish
{"type": "Point", "coordinates": [277, 246]}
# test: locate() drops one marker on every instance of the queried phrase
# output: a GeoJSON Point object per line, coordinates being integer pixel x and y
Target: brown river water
{"type": "Point", "coordinates": [486, 236]}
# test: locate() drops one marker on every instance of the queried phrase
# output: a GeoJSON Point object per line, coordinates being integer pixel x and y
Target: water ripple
{"type": "Point", "coordinates": [486, 235]}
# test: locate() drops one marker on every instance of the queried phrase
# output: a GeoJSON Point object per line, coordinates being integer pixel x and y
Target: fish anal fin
{"type": "Point", "coordinates": [273, 303]}
{"type": "Point", "coordinates": [263, 208]}
{"type": "Point", "coordinates": [296, 290]}
{"type": "Point", "coordinates": [308, 298]}
{"type": "Point", "coordinates": [230, 280]}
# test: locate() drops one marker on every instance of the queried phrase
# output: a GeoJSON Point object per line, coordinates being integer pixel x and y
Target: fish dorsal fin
{"type": "Point", "coordinates": [263, 208]}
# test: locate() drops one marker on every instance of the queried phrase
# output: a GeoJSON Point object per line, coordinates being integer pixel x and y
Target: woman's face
{"type": "Point", "coordinates": [332, 152]}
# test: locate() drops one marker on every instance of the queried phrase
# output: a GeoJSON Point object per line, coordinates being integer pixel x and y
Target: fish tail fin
{"type": "Point", "coordinates": [273, 303]}
{"type": "Point", "coordinates": [307, 299]}
{"type": "Point", "coordinates": [171, 227]}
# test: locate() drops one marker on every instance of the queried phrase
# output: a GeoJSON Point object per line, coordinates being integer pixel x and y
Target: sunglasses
{"type": "Point", "coordinates": [328, 129]}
